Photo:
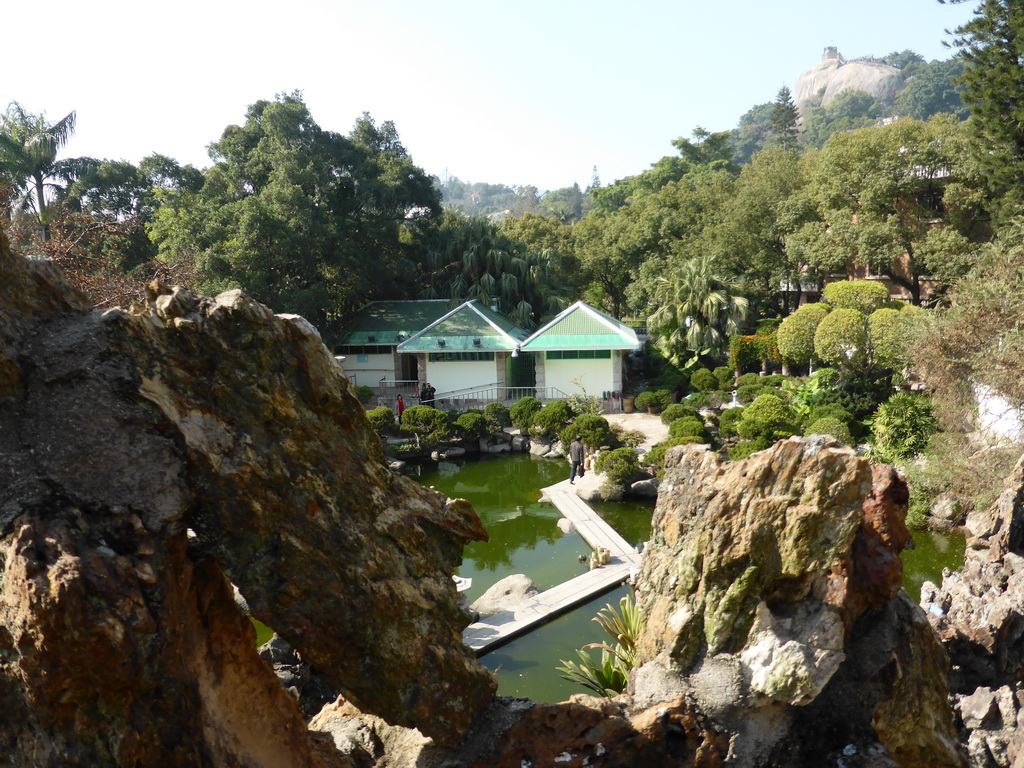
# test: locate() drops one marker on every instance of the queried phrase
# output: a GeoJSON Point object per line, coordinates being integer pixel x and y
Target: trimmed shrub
{"type": "Point", "coordinates": [689, 427]}
{"type": "Point", "coordinates": [595, 431]}
{"type": "Point", "coordinates": [768, 417]}
{"type": "Point", "coordinates": [830, 426]}
{"type": "Point", "coordinates": [678, 411]}
{"type": "Point", "coordinates": [497, 416]}
{"type": "Point", "coordinates": [748, 379]}
{"type": "Point", "coordinates": [744, 449]}
{"type": "Point", "coordinates": [829, 411]}
{"type": "Point", "coordinates": [631, 438]}
{"type": "Point", "coordinates": [888, 331]}
{"type": "Point", "coordinates": [903, 425]}
{"type": "Point", "coordinates": [619, 465]}
{"type": "Point", "coordinates": [749, 392]}
{"type": "Point", "coordinates": [472, 425]}
{"type": "Point", "coordinates": [551, 419]}
{"type": "Point", "coordinates": [842, 338]}
{"type": "Point", "coordinates": [724, 376]}
{"type": "Point", "coordinates": [430, 424]}
{"type": "Point", "coordinates": [653, 398]}
{"type": "Point", "coordinates": [865, 296]}
{"type": "Point", "coordinates": [826, 377]}
{"type": "Point", "coordinates": [703, 380]}
{"type": "Point", "coordinates": [382, 419]}
{"type": "Point", "coordinates": [364, 393]}
{"type": "Point", "coordinates": [728, 421]}
{"type": "Point", "coordinates": [697, 400]}
{"type": "Point", "coordinates": [775, 380]}
{"type": "Point", "coordinates": [795, 337]}
{"type": "Point", "coordinates": [522, 412]}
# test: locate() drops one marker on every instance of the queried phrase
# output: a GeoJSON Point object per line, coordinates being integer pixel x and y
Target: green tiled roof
{"type": "Point", "coordinates": [382, 322]}
{"type": "Point", "coordinates": [462, 327]}
{"type": "Point", "coordinates": [582, 327]}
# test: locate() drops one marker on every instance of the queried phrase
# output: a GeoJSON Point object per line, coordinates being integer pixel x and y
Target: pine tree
{"type": "Point", "coordinates": [784, 117]}
{"type": "Point", "coordinates": [992, 47]}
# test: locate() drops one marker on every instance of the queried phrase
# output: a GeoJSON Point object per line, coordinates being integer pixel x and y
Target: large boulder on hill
{"type": "Point", "coordinates": [120, 641]}
{"type": "Point", "coordinates": [771, 598]}
{"type": "Point", "coordinates": [834, 75]}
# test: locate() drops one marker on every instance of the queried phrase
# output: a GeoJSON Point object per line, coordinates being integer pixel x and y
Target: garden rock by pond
{"type": "Point", "coordinates": [120, 642]}
{"type": "Point", "coordinates": [509, 594]}
{"type": "Point", "coordinates": [778, 577]}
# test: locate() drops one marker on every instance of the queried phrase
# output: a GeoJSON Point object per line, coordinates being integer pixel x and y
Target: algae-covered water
{"type": "Point", "coordinates": [525, 539]}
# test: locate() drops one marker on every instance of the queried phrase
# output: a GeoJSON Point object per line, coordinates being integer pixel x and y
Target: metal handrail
{"type": "Point", "coordinates": [465, 399]}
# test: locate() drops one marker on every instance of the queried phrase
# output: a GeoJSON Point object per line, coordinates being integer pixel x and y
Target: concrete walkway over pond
{"type": "Point", "coordinates": [492, 631]}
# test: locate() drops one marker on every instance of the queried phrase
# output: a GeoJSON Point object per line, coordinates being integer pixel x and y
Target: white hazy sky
{"type": "Point", "coordinates": [521, 92]}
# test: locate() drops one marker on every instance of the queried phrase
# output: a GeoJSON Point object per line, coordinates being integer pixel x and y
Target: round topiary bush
{"type": "Point", "coordinates": [842, 338]}
{"type": "Point", "coordinates": [382, 420]}
{"type": "Point", "coordinates": [703, 380]}
{"type": "Point", "coordinates": [865, 296]}
{"type": "Point", "coordinates": [748, 379]}
{"type": "Point", "coordinates": [744, 449]}
{"type": "Point", "coordinates": [430, 424]}
{"type": "Point", "coordinates": [522, 412]}
{"type": "Point", "coordinates": [472, 425]}
{"type": "Point", "coordinates": [830, 426]}
{"type": "Point", "coordinates": [364, 393]}
{"type": "Point", "coordinates": [826, 377]}
{"type": "Point", "coordinates": [497, 416]}
{"type": "Point", "coordinates": [619, 465]}
{"type": "Point", "coordinates": [903, 425]}
{"type": "Point", "coordinates": [769, 418]}
{"type": "Point", "coordinates": [649, 398]}
{"type": "Point", "coordinates": [677, 411]}
{"type": "Point", "coordinates": [724, 375]}
{"type": "Point", "coordinates": [795, 337]}
{"type": "Point", "coordinates": [728, 421]}
{"type": "Point", "coordinates": [550, 420]}
{"type": "Point", "coordinates": [829, 411]}
{"type": "Point", "coordinates": [689, 427]}
{"type": "Point", "coordinates": [888, 331]}
{"type": "Point", "coordinates": [749, 392]}
{"type": "Point", "coordinates": [594, 431]}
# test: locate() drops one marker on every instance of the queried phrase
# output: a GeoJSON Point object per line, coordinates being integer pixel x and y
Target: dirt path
{"type": "Point", "coordinates": [650, 424]}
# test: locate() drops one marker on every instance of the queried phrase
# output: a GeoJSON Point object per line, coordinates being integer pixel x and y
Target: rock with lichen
{"type": "Point", "coordinates": [120, 641]}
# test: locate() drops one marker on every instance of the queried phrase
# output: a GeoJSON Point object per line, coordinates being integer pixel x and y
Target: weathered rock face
{"type": "Point", "coordinates": [120, 642]}
{"type": "Point", "coordinates": [771, 597]}
{"type": "Point", "coordinates": [978, 613]}
{"type": "Point", "coordinates": [834, 75]}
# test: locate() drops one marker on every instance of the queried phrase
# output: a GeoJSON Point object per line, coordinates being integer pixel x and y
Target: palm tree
{"type": "Point", "coordinates": [28, 159]}
{"type": "Point", "coordinates": [699, 308]}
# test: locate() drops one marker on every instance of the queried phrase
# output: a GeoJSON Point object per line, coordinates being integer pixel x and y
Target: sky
{"type": "Point", "coordinates": [521, 92]}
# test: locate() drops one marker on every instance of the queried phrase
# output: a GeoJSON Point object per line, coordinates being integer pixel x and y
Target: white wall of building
{"type": "Point", "coordinates": [595, 376]}
{"type": "Point", "coordinates": [452, 375]}
{"type": "Point", "coordinates": [369, 372]}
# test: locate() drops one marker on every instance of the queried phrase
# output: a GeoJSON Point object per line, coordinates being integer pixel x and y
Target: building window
{"type": "Point", "coordinates": [362, 358]}
{"type": "Point", "coordinates": [364, 349]}
{"type": "Point", "coordinates": [580, 354]}
{"type": "Point", "coordinates": [455, 357]}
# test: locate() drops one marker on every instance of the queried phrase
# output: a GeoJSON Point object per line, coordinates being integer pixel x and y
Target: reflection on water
{"type": "Point", "coordinates": [525, 539]}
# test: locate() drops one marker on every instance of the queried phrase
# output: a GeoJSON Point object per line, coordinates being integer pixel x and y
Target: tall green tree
{"type": "Point", "coordinates": [700, 307]}
{"type": "Point", "coordinates": [304, 219]}
{"type": "Point", "coordinates": [29, 146]}
{"type": "Point", "coordinates": [992, 47]}
{"type": "Point", "coordinates": [784, 119]}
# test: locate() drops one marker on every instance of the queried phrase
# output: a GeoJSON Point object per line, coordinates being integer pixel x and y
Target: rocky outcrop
{"type": "Point", "coordinates": [821, 84]}
{"type": "Point", "coordinates": [978, 613]}
{"type": "Point", "coordinates": [120, 642]}
{"type": "Point", "coordinates": [771, 599]}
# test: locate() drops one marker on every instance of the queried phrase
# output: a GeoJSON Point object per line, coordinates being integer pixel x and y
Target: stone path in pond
{"type": "Point", "coordinates": [492, 631]}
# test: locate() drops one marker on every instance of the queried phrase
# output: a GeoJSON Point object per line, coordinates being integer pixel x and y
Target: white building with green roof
{"type": "Point", "coordinates": [581, 349]}
{"type": "Point", "coordinates": [370, 348]}
{"type": "Point", "coordinates": [469, 349]}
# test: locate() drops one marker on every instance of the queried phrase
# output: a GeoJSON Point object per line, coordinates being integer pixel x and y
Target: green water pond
{"type": "Point", "coordinates": [524, 538]}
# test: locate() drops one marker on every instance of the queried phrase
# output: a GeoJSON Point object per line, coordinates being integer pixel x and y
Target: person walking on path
{"type": "Point", "coordinates": [575, 460]}
{"type": "Point", "coordinates": [400, 407]}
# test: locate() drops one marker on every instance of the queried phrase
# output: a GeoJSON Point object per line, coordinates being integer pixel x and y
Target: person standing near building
{"type": "Point", "coordinates": [400, 407]}
{"type": "Point", "coordinates": [575, 459]}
